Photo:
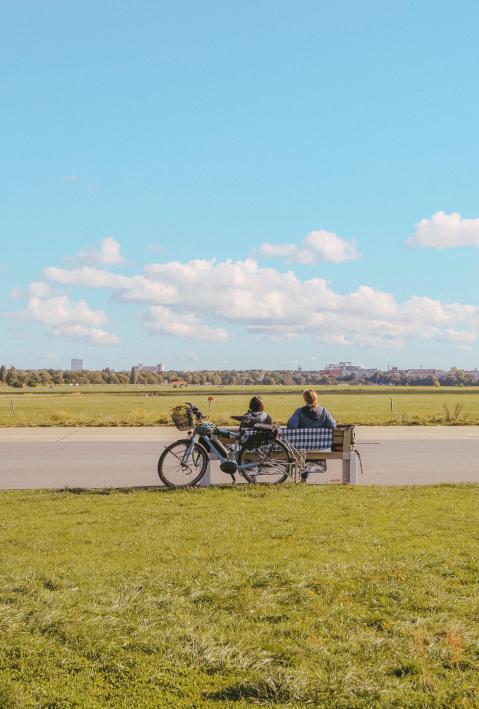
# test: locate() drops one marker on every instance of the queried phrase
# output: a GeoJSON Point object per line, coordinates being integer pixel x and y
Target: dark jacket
{"type": "Point", "coordinates": [307, 417]}
{"type": "Point", "coordinates": [259, 417]}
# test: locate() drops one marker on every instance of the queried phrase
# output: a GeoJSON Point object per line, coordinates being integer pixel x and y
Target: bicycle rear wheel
{"type": "Point", "coordinates": [174, 473]}
{"type": "Point", "coordinates": [268, 462]}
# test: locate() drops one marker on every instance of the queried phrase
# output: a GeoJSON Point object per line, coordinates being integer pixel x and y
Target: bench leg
{"type": "Point", "coordinates": [350, 470]}
{"type": "Point", "coordinates": [353, 468]}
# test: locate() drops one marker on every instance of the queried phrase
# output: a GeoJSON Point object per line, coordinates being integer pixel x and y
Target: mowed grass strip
{"type": "Point", "coordinates": [344, 597]}
{"type": "Point", "coordinates": [368, 406]}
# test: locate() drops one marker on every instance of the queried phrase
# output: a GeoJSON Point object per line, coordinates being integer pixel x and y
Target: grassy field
{"type": "Point", "coordinates": [132, 406]}
{"type": "Point", "coordinates": [344, 597]}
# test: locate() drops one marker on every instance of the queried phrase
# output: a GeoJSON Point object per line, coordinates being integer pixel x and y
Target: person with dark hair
{"type": "Point", "coordinates": [256, 411]}
{"type": "Point", "coordinates": [312, 415]}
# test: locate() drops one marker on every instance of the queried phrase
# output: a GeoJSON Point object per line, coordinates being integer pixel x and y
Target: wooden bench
{"type": "Point", "coordinates": [342, 449]}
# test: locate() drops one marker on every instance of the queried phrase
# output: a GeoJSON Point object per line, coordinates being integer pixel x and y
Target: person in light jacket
{"type": "Point", "coordinates": [312, 415]}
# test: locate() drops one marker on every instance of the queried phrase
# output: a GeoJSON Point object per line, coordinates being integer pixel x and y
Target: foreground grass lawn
{"type": "Point", "coordinates": [346, 597]}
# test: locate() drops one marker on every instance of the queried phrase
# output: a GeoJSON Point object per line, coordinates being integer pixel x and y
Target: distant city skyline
{"type": "Point", "coordinates": [78, 364]}
{"type": "Point", "coordinates": [251, 185]}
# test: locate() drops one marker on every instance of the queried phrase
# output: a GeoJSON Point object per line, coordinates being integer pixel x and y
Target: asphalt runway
{"type": "Point", "coordinates": [128, 457]}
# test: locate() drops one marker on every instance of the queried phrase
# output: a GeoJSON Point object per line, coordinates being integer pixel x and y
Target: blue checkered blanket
{"type": "Point", "coordinates": [304, 438]}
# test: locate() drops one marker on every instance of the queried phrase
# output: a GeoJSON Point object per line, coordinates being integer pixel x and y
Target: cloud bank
{"type": "Point", "coordinates": [200, 299]}
{"type": "Point", "coordinates": [218, 301]}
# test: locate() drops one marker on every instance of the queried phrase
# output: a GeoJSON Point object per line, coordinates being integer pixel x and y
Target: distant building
{"type": "Point", "coordinates": [331, 371]}
{"type": "Point", "coordinates": [151, 368]}
{"type": "Point", "coordinates": [76, 365]}
{"type": "Point", "coordinates": [343, 369]}
{"type": "Point", "coordinates": [472, 374]}
{"type": "Point", "coordinates": [418, 373]}
{"type": "Point", "coordinates": [367, 373]}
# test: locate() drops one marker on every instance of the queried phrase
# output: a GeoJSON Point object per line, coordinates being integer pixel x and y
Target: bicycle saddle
{"type": "Point", "coordinates": [264, 427]}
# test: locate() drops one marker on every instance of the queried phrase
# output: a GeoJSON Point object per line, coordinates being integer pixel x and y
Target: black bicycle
{"type": "Point", "coordinates": [257, 453]}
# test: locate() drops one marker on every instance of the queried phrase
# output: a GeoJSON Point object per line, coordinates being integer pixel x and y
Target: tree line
{"type": "Point", "coordinates": [19, 378]}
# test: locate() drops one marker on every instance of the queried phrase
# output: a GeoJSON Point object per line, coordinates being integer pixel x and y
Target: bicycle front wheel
{"type": "Point", "coordinates": [174, 473]}
{"type": "Point", "coordinates": [268, 462]}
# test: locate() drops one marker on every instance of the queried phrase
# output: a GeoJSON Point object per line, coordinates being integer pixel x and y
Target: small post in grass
{"type": "Point", "coordinates": [13, 407]}
{"type": "Point", "coordinates": [210, 399]}
{"type": "Point", "coordinates": [392, 405]}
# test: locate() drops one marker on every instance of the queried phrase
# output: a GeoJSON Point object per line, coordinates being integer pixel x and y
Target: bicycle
{"type": "Point", "coordinates": [261, 457]}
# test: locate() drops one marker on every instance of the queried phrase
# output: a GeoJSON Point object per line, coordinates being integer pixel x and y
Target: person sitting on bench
{"type": "Point", "coordinates": [311, 415]}
{"type": "Point", "coordinates": [256, 411]}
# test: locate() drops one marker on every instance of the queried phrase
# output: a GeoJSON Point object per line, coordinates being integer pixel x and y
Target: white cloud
{"type": "Point", "coordinates": [460, 337]}
{"type": "Point", "coordinates": [91, 335]}
{"type": "Point", "coordinates": [163, 321]}
{"type": "Point", "coordinates": [38, 289]}
{"type": "Point", "coordinates": [130, 288]}
{"type": "Point", "coordinates": [108, 253]}
{"type": "Point", "coordinates": [86, 277]}
{"type": "Point", "coordinates": [318, 246]}
{"type": "Point", "coordinates": [59, 310]}
{"type": "Point", "coordinates": [445, 231]}
{"type": "Point", "coordinates": [199, 299]}
{"type": "Point", "coordinates": [63, 317]}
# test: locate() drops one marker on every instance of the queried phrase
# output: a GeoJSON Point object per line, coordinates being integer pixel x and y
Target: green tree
{"type": "Point", "coordinates": [45, 377]}
{"type": "Point", "coordinates": [11, 377]}
{"type": "Point", "coordinates": [58, 377]}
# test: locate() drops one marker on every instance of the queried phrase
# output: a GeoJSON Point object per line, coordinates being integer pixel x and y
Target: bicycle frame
{"type": "Point", "coordinates": [215, 447]}
{"type": "Point", "coordinates": [206, 434]}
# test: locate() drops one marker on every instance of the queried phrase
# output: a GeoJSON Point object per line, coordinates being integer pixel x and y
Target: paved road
{"type": "Point", "coordinates": [124, 457]}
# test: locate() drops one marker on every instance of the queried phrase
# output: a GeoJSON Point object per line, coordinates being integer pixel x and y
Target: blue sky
{"type": "Point", "coordinates": [185, 131]}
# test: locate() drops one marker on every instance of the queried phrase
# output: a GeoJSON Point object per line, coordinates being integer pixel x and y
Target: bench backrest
{"type": "Point", "coordinates": [305, 438]}
{"type": "Point", "coordinates": [343, 438]}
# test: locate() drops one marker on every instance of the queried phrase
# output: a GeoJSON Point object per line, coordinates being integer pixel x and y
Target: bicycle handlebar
{"type": "Point", "coordinates": [195, 410]}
